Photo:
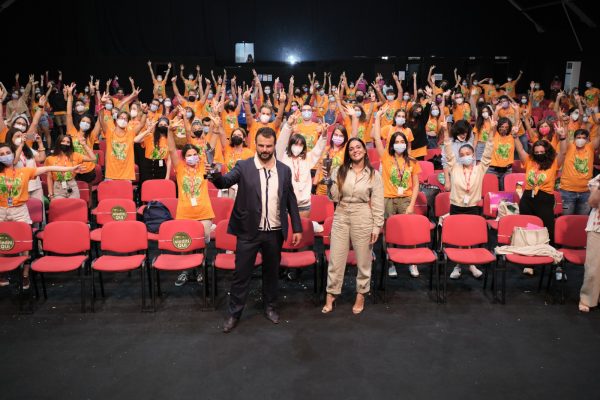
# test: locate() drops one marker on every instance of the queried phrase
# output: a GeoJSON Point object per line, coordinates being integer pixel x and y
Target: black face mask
{"type": "Point", "coordinates": [540, 158]}
{"type": "Point", "coordinates": [65, 148]}
{"type": "Point", "coordinates": [360, 99]}
{"type": "Point", "coordinates": [236, 140]}
{"type": "Point", "coordinates": [197, 133]}
{"type": "Point", "coordinates": [229, 108]}
{"type": "Point", "coordinates": [162, 130]}
{"type": "Point", "coordinates": [192, 98]}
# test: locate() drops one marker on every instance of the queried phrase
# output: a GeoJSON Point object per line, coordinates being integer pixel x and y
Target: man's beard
{"type": "Point", "coordinates": [265, 156]}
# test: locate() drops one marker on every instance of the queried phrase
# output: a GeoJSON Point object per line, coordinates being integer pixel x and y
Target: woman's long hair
{"type": "Point", "coordinates": [550, 154]}
{"type": "Point", "coordinates": [343, 169]}
{"type": "Point", "coordinates": [58, 150]}
{"type": "Point", "coordinates": [9, 140]}
{"type": "Point", "coordinates": [391, 150]}
{"type": "Point", "coordinates": [480, 120]}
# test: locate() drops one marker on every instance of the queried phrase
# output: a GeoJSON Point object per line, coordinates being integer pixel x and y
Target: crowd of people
{"type": "Point", "coordinates": [324, 132]}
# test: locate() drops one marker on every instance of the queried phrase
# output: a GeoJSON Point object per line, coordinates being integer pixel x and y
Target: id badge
{"type": "Point", "coordinates": [194, 202]}
{"type": "Point", "coordinates": [400, 191]}
{"type": "Point", "coordinates": [232, 126]}
{"type": "Point", "coordinates": [63, 184]}
{"type": "Point", "coordinates": [10, 201]}
{"type": "Point", "coordinates": [160, 163]}
{"type": "Point", "coordinates": [466, 199]}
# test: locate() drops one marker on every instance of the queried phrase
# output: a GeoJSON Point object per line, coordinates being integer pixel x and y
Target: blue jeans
{"type": "Point", "coordinates": [575, 202]}
{"type": "Point", "coordinates": [432, 142]}
{"type": "Point", "coordinates": [524, 142]}
{"type": "Point", "coordinates": [500, 172]}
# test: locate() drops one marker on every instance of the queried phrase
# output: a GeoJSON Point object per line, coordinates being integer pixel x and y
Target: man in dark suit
{"type": "Point", "coordinates": [259, 219]}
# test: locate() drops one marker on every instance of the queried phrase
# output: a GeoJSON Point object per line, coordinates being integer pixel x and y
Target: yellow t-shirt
{"type": "Point", "coordinates": [193, 189]}
{"type": "Point", "coordinates": [64, 161]}
{"type": "Point", "coordinates": [578, 168]}
{"type": "Point", "coordinates": [397, 176]}
{"type": "Point", "coordinates": [14, 183]}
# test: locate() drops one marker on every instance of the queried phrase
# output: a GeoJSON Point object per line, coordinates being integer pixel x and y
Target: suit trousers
{"type": "Point", "coordinates": [269, 243]}
{"type": "Point", "coordinates": [352, 223]}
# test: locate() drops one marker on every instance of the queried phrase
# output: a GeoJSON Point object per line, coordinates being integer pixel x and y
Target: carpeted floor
{"type": "Point", "coordinates": [408, 348]}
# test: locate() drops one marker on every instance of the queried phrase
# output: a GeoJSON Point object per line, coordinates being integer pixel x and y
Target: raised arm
{"type": "Point", "coordinates": [247, 110]}
{"type": "Point", "coordinates": [279, 115]}
{"type": "Point", "coordinates": [175, 123]}
{"type": "Point", "coordinates": [178, 95]}
{"type": "Point", "coordinates": [151, 72]}
{"type": "Point", "coordinates": [398, 85]}
{"type": "Point", "coordinates": [562, 137]}
{"type": "Point", "coordinates": [376, 133]}
{"type": "Point", "coordinates": [167, 73]}
{"type": "Point", "coordinates": [2, 98]}
{"type": "Point", "coordinates": [284, 137]}
{"type": "Point", "coordinates": [70, 125]}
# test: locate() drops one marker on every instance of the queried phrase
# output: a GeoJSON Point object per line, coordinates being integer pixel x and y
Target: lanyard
{"type": "Point", "coordinates": [400, 174]}
{"type": "Point", "coordinates": [296, 167]}
{"type": "Point", "coordinates": [193, 179]}
{"type": "Point", "coordinates": [468, 179]}
{"type": "Point", "coordinates": [10, 184]}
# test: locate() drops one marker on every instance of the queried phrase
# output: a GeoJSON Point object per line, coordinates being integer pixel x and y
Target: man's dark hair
{"type": "Point", "coordinates": [266, 132]}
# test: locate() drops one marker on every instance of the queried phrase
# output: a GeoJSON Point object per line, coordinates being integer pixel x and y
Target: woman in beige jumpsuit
{"type": "Point", "coordinates": [357, 189]}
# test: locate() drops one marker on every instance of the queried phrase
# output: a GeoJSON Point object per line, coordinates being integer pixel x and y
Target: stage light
{"type": "Point", "coordinates": [384, 57]}
{"type": "Point", "coordinates": [292, 59]}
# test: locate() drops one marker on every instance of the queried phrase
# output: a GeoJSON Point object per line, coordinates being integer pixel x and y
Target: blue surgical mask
{"type": "Point", "coordinates": [358, 113]}
{"type": "Point", "coordinates": [7, 159]}
{"type": "Point", "coordinates": [206, 129]}
{"type": "Point", "coordinates": [466, 160]}
{"type": "Point", "coordinates": [192, 160]}
{"type": "Point", "coordinates": [307, 114]}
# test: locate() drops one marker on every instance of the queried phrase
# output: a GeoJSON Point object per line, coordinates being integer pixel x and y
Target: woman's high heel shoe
{"type": "Point", "coordinates": [329, 304]}
{"type": "Point", "coordinates": [359, 304]}
{"type": "Point", "coordinates": [583, 307]}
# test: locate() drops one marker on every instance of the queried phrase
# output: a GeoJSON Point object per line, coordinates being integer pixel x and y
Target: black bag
{"type": "Point", "coordinates": [437, 161]}
{"type": "Point", "coordinates": [430, 191]}
{"type": "Point", "coordinates": [155, 214]}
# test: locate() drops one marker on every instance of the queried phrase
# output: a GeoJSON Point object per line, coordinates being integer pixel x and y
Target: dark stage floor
{"type": "Point", "coordinates": [410, 348]}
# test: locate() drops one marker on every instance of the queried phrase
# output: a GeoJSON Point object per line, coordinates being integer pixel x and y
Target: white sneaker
{"type": "Point", "coordinates": [392, 272]}
{"type": "Point", "coordinates": [455, 274]}
{"type": "Point", "coordinates": [475, 271]}
{"type": "Point", "coordinates": [317, 228]}
{"type": "Point", "coordinates": [414, 271]}
{"type": "Point", "coordinates": [528, 271]}
{"type": "Point", "coordinates": [560, 275]}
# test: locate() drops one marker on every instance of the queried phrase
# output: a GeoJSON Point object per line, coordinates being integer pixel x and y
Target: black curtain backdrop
{"type": "Point", "coordinates": [107, 38]}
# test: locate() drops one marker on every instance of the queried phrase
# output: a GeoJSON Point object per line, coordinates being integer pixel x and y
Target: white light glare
{"type": "Point", "coordinates": [292, 59]}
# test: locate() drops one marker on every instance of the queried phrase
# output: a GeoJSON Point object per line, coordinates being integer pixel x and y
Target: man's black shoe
{"type": "Point", "coordinates": [230, 323]}
{"type": "Point", "coordinates": [272, 315]}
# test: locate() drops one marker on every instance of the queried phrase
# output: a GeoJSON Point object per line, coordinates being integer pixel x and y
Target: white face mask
{"type": "Point", "coordinates": [84, 126]}
{"type": "Point", "coordinates": [108, 106]}
{"type": "Point", "coordinates": [575, 116]}
{"type": "Point", "coordinates": [20, 127]}
{"type": "Point", "coordinates": [79, 108]}
{"type": "Point", "coordinates": [297, 149]}
{"type": "Point", "coordinates": [159, 78]}
{"type": "Point", "coordinates": [400, 121]}
{"type": "Point", "coordinates": [508, 79]}
{"type": "Point", "coordinates": [167, 104]}
{"type": "Point", "coordinates": [405, 97]}
{"type": "Point", "coordinates": [18, 141]}
{"type": "Point", "coordinates": [466, 160]}
{"type": "Point", "coordinates": [390, 97]}
{"type": "Point", "coordinates": [459, 100]}
{"type": "Point", "coordinates": [485, 114]}
{"type": "Point", "coordinates": [399, 148]}
{"type": "Point", "coordinates": [307, 114]}
{"type": "Point", "coordinates": [588, 84]}
{"type": "Point", "coordinates": [536, 87]}
{"type": "Point", "coordinates": [190, 77]}
{"type": "Point", "coordinates": [133, 113]}
{"type": "Point", "coordinates": [188, 114]}
{"type": "Point", "coordinates": [435, 113]}
{"type": "Point", "coordinates": [523, 101]}
{"type": "Point", "coordinates": [121, 123]}
{"type": "Point", "coordinates": [358, 113]}
{"type": "Point", "coordinates": [153, 107]}
{"type": "Point", "coordinates": [580, 142]}
{"type": "Point", "coordinates": [264, 118]}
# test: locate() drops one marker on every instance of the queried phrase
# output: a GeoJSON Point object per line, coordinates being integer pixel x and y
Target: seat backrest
{"type": "Point", "coordinates": [99, 175]}
{"type": "Point", "coordinates": [124, 236]}
{"type": "Point", "coordinates": [427, 169]}
{"type": "Point", "coordinates": [68, 210]}
{"type": "Point", "coordinates": [181, 236]}
{"type": "Point", "coordinates": [569, 230]}
{"type": "Point", "coordinates": [213, 193]}
{"type": "Point", "coordinates": [84, 192]}
{"type": "Point", "coordinates": [36, 210]}
{"type": "Point", "coordinates": [66, 237]}
{"type": "Point", "coordinates": [442, 204]}
{"type": "Point", "coordinates": [490, 184]}
{"type": "Point", "coordinates": [432, 153]}
{"type": "Point", "coordinates": [407, 230]}
{"type": "Point", "coordinates": [421, 204]}
{"type": "Point", "coordinates": [373, 155]}
{"type": "Point", "coordinates": [223, 239]}
{"type": "Point", "coordinates": [308, 235]}
{"type": "Point", "coordinates": [321, 207]}
{"type": "Point", "coordinates": [464, 230]}
{"type": "Point", "coordinates": [518, 167]}
{"type": "Point", "coordinates": [170, 203]}
{"type": "Point", "coordinates": [110, 210]}
{"type": "Point", "coordinates": [558, 204]}
{"type": "Point", "coordinates": [157, 188]}
{"type": "Point", "coordinates": [222, 207]}
{"type": "Point", "coordinates": [510, 181]}
{"type": "Point", "coordinates": [508, 223]}
{"type": "Point", "coordinates": [434, 179]}
{"type": "Point", "coordinates": [15, 237]}
{"type": "Point", "coordinates": [115, 190]}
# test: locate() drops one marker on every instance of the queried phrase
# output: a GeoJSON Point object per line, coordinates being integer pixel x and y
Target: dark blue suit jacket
{"type": "Point", "coordinates": [245, 218]}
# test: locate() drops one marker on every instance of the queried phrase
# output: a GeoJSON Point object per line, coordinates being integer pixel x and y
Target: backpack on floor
{"type": "Point", "coordinates": [155, 214]}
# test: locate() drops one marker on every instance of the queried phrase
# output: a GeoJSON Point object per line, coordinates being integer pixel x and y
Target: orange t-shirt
{"type": "Point", "coordinates": [510, 114]}
{"type": "Point", "coordinates": [188, 84]}
{"type": "Point", "coordinates": [193, 189]}
{"type": "Point", "coordinates": [509, 89]}
{"type": "Point", "coordinates": [14, 183]}
{"type": "Point", "coordinates": [540, 180]}
{"type": "Point", "coordinates": [337, 159]}
{"type": "Point", "coordinates": [364, 133]}
{"type": "Point", "coordinates": [405, 105]}
{"type": "Point", "coordinates": [64, 161]}
{"type": "Point", "coordinates": [538, 96]}
{"type": "Point", "coordinates": [489, 91]}
{"type": "Point", "coordinates": [201, 142]}
{"type": "Point", "coordinates": [388, 131]}
{"type": "Point", "coordinates": [483, 134]}
{"type": "Point", "coordinates": [572, 126]}
{"type": "Point", "coordinates": [461, 111]}
{"type": "Point", "coordinates": [554, 142]}
{"type": "Point", "coordinates": [321, 104]}
{"type": "Point", "coordinates": [309, 131]}
{"type": "Point", "coordinates": [229, 121]}
{"type": "Point", "coordinates": [503, 154]}
{"type": "Point", "coordinates": [388, 117]}
{"type": "Point", "coordinates": [578, 168]}
{"type": "Point", "coordinates": [591, 97]}
{"type": "Point", "coordinates": [151, 152]}
{"type": "Point", "coordinates": [119, 155]}
{"type": "Point", "coordinates": [397, 176]}
{"type": "Point", "coordinates": [231, 157]}
{"type": "Point", "coordinates": [3, 135]}
{"type": "Point", "coordinates": [252, 133]}
{"type": "Point", "coordinates": [92, 138]}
